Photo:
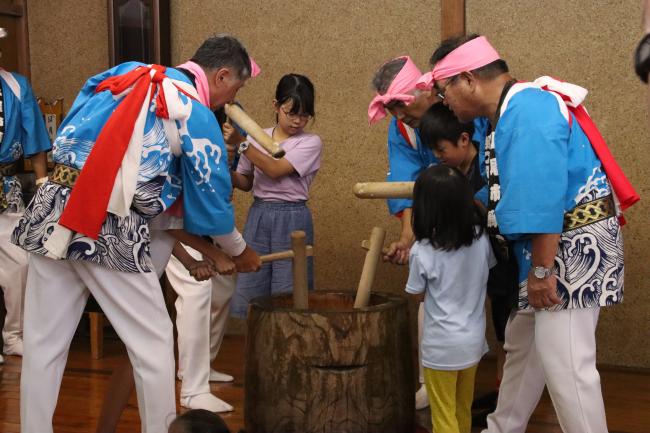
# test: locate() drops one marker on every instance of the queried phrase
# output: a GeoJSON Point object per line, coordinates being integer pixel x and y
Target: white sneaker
{"type": "Point", "coordinates": [2, 360]}
{"type": "Point", "coordinates": [421, 398]}
{"type": "Point", "coordinates": [15, 349]}
{"type": "Point", "coordinates": [217, 376]}
{"type": "Point", "coordinates": [206, 401]}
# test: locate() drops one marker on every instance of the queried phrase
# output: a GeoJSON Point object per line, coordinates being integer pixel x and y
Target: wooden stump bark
{"type": "Point", "coordinates": [332, 369]}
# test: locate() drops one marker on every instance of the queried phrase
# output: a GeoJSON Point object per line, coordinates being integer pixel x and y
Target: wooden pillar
{"type": "Point", "coordinates": [452, 16]}
{"type": "Point", "coordinates": [15, 48]}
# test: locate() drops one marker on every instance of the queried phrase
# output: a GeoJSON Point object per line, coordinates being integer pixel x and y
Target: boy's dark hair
{"type": "Point", "coordinates": [299, 90]}
{"type": "Point", "coordinates": [386, 74]}
{"type": "Point", "coordinates": [444, 210]}
{"type": "Point", "coordinates": [198, 421]}
{"type": "Point", "coordinates": [224, 51]}
{"type": "Point", "coordinates": [439, 123]}
{"type": "Point", "coordinates": [489, 71]}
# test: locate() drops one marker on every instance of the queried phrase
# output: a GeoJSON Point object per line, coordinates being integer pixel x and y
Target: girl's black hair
{"type": "Point", "coordinates": [439, 123]}
{"type": "Point", "coordinates": [198, 421]}
{"type": "Point", "coordinates": [444, 210]}
{"type": "Point", "coordinates": [299, 90]}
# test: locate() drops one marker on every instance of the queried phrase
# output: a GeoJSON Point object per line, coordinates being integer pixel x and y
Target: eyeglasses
{"type": "Point", "coordinates": [296, 116]}
{"type": "Point", "coordinates": [441, 92]}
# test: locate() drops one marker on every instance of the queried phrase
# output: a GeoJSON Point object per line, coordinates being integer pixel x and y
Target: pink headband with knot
{"type": "Point", "coordinates": [398, 90]}
{"type": "Point", "coordinates": [255, 69]}
{"type": "Point", "coordinates": [471, 55]}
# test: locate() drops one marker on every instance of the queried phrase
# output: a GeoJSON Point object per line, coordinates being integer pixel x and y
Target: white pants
{"type": "Point", "coordinates": [13, 276]}
{"type": "Point", "coordinates": [556, 348]}
{"type": "Point", "coordinates": [56, 294]}
{"type": "Point", "coordinates": [201, 312]}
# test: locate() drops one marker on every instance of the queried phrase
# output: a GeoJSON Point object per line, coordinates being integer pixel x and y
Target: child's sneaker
{"type": "Point", "coordinates": [421, 398]}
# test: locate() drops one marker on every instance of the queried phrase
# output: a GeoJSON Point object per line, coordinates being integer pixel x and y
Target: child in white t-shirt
{"type": "Point", "coordinates": [449, 264]}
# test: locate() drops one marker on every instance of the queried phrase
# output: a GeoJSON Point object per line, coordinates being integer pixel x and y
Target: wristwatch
{"type": "Point", "coordinates": [542, 272]}
{"type": "Point", "coordinates": [642, 58]}
{"type": "Point", "coordinates": [242, 147]}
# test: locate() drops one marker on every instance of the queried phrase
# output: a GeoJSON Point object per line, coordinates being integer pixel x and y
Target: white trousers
{"type": "Point", "coordinates": [556, 348]}
{"type": "Point", "coordinates": [201, 312]}
{"type": "Point", "coordinates": [13, 276]}
{"type": "Point", "coordinates": [56, 294]}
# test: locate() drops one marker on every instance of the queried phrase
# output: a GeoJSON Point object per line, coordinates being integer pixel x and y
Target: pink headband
{"type": "Point", "coordinates": [398, 90]}
{"type": "Point", "coordinates": [471, 55]}
{"type": "Point", "coordinates": [255, 69]}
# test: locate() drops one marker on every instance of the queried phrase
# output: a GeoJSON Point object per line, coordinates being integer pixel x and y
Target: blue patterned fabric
{"type": "Point", "coordinates": [405, 162]}
{"type": "Point", "coordinates": [24, 135]}
{"type": "Point", "coordinates": [199, 171]}
{"type": "Point", "coordinates": [546, 167]}
{"type": "Point", "coordinates": [268, 230]}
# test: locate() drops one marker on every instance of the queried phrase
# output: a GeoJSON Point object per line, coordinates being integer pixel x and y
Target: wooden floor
{"type": "Point", "coordinates": [627, 394]}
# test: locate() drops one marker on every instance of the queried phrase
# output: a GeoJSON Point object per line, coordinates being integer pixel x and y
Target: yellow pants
{"type": "Point", "coordinates": [450, 397]}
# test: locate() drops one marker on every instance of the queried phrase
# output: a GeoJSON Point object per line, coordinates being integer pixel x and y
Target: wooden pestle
{"type": "Point", "coordinates": [377, 237]}
{"type": "Point", "coordinates": [299, 248]}
{"type": "Point", "coordinates": [299, 253]}
{"type": "Point", "coordinates": [384, 189]}
{"type": "Point", "coordinates": [254, 130]}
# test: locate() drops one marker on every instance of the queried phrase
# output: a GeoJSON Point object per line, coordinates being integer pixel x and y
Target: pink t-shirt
{"type": "Point", "coordinates": [303, 152]}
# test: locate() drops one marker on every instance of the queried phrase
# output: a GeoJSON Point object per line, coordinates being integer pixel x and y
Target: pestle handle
{"type": "Point", "coordinates": [383, 189]}
{"type": "Point", "coordinates": [369, 270]}
{"type": "Point", "coordinates": [299, 249]}
{"type": "Point", "coordinates": [254, 130]}
{"type": "Point", "coordinates": [283, 255]}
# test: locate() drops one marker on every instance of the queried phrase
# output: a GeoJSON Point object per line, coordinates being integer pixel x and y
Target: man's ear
{"type": "Point", "coordinates": [470, 79]}
{"type": "Point", "coordinates": [464, 140]}
{"type": "Point", "coordinates": [221, 74]}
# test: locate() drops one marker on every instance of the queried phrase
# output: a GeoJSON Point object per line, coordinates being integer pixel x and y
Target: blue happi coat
{"type": "Point", "coordinates": [198, 170]}
{"type": "Point", "coordinates": [24, 133]}
{"type": "Point", "coordinates": [546, 167]}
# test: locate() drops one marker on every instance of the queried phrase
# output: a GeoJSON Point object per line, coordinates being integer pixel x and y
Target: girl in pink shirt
{"type": "Point", "coordinates": [281, 190]}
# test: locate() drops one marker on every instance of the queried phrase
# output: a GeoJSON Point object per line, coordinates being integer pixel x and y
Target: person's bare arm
{"type": "Point", "coordinates": [273, 168]}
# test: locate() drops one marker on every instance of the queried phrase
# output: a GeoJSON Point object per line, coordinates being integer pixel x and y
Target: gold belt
{"type": "Point", "coordinates": [9, 169]}
{"type": "Point", "coordinates": [64, 175]}
{"type": "Point", "coordinates": [589, 213]}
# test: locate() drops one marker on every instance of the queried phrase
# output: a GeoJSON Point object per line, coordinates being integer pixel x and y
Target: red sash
{"type": "Point", "coordinates": [86, 209]}
{"type": "Point", "coordinates": [623, 189]}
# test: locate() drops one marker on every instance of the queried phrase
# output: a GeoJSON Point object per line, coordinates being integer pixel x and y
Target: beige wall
{"type": "Point", "coordinates": [68, 42]}
{"type": "Point", "coordinates": [338, 44]}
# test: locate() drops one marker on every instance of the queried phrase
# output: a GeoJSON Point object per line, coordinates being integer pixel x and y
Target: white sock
{"type": "Point", "coordinates": [15, 348]}
{"type": "Point", "coordinates": [217, 376]}
{"type": "Point", "coordinates": [206, 401]}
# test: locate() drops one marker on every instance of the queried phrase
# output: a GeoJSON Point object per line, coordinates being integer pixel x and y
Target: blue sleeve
{"type": "Point", "coordinates": [481, 125]}
{"type": "Point", "coordinates": [482, 195]}
{"type": "Point", "coordinates": [34, 133]}
{"type": "Point", "coordinates": [405, 164]}
{"type": "Point", "coordinates": [205, 176]}
{"type": "Point", "coordinates": [531, 144]}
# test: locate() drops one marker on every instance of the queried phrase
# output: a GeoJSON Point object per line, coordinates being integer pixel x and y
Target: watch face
{"type": "Point", "coordinates": [539, 272]}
